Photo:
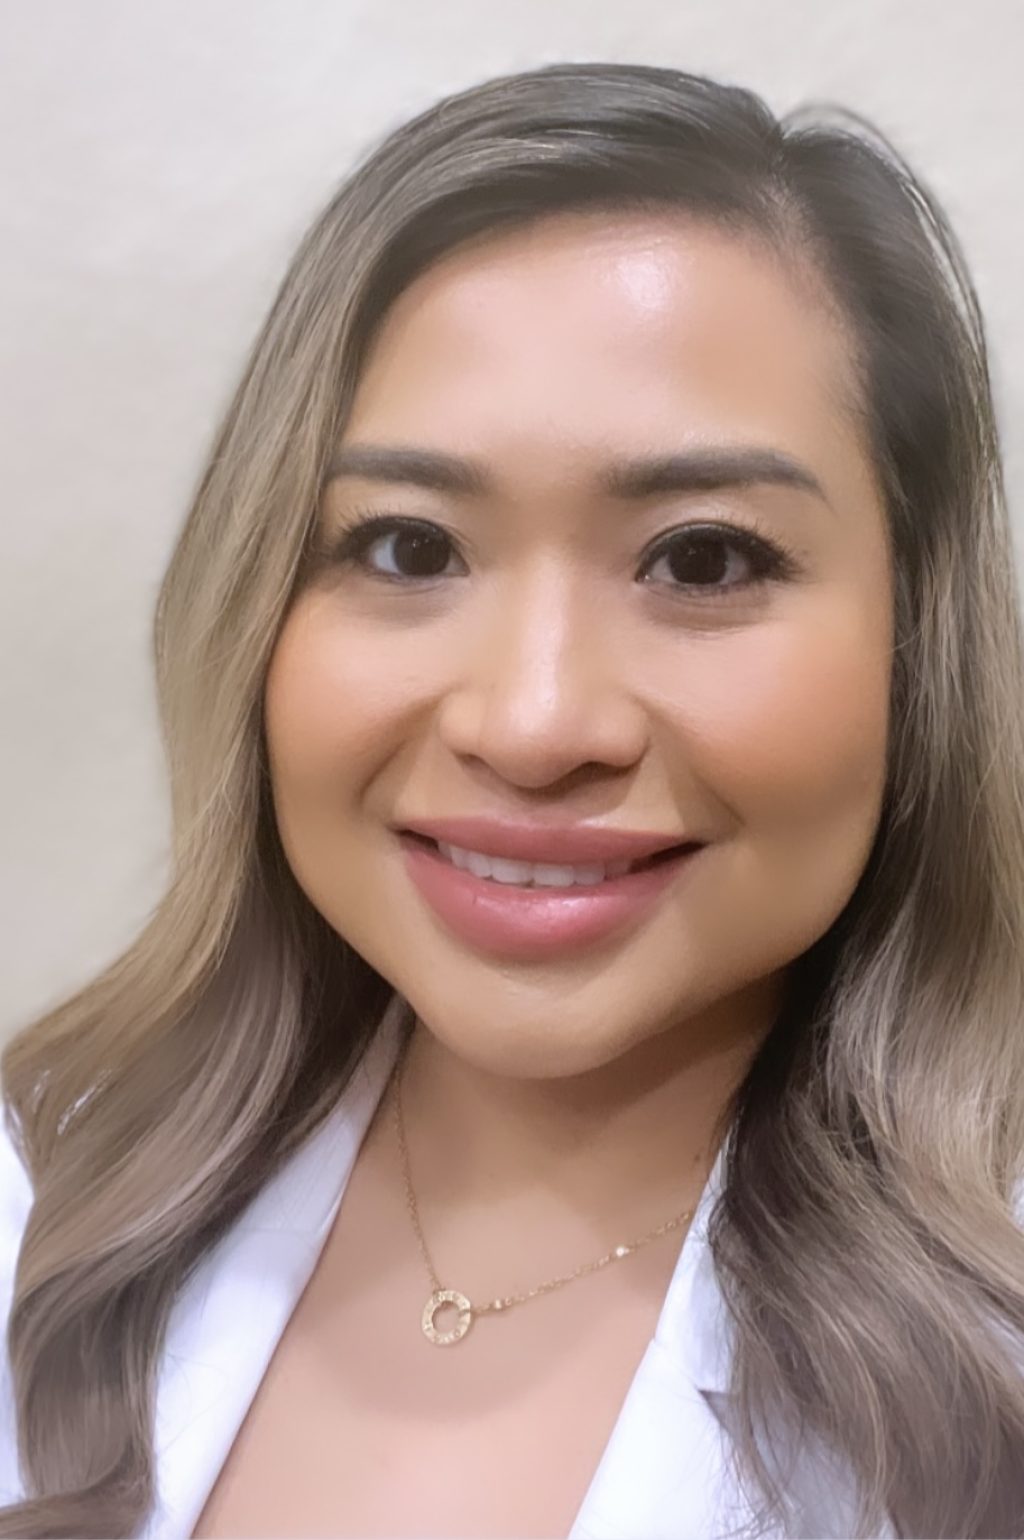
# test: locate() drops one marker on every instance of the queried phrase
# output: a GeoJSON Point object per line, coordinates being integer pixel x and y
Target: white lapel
{"type": "Point", "coordinates": [229, 1318]}
{"type": "Point", "coordinates": [663, 1474]}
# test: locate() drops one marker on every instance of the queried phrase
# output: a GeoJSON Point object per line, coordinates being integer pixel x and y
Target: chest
{"type": "Point", "coordinates": [362, 1427]}
{"type": "Point", "coordinates": [359, 1435]}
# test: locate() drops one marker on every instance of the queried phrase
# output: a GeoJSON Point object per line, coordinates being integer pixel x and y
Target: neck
{"type": "Point", "coordinates": [563, 1166]}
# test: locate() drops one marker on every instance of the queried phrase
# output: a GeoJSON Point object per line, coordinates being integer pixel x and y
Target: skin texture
{"type": "Point", "coordinates": [557, 667]}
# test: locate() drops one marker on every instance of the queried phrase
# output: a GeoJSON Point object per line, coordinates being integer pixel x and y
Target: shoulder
{"type": "Point", "coordinates": [15, 1207]}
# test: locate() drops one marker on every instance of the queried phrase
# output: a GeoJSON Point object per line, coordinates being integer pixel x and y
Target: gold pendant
{"type": "Point", "coordinates": [447, 1297]}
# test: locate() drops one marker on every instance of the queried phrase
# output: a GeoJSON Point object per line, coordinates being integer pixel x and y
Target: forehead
{"type": "Point", "coordinates": [587, 330]}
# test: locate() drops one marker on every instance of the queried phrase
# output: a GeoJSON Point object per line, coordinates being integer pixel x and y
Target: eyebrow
{"type": "Point", "coordinates": [695, 470]}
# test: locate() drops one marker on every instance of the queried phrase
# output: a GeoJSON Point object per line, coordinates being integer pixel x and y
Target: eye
{"type": "Point", "coordinates": [418, 548]}
{"type": "Point", "coordinates": [719, 558]}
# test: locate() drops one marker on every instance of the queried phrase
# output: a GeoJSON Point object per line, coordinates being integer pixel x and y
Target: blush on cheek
{"type": "Point", "coordinates": [342, 707]}
{"type": "Point", "coordinates": [794, 726]}
{"type": "Point", "coordinates": [324, 711]}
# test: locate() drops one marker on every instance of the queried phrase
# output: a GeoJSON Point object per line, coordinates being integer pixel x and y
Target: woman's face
{"type": "Point", "coordinates": [548, 647]}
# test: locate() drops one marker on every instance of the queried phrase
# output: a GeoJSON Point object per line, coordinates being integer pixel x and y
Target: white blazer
{"type": "Point", "coordinates": [663, 1473]}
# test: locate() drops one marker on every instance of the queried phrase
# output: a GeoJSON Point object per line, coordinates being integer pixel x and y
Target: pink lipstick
{"type": "Point", "coordinates": [516, 920]}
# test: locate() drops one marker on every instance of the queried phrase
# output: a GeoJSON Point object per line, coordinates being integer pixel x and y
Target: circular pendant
{"type": "Point", "coordinates": [447, 1297]}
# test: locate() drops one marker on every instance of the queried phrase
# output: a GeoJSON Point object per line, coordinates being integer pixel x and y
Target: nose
{"type": "Point", "coordinates": [542, 686]}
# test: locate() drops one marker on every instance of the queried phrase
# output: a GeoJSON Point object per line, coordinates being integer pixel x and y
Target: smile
{"type": "Point", "coordinates": [529, 910]}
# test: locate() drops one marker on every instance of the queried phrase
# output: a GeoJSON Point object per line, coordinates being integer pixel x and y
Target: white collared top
{"type": "Point", "coordinates": [663, 1474]}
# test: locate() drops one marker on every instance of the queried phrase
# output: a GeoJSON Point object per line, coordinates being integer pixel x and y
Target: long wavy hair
{"type": "Point", "coordinates": [865, 1238]}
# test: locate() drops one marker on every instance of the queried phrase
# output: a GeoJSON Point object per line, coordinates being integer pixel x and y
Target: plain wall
{"type": "Point", "coordinates": [158, 162]}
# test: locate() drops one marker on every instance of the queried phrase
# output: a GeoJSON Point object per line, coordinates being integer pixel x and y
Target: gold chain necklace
{"type": "Point", "coordinates": [468, 1311]}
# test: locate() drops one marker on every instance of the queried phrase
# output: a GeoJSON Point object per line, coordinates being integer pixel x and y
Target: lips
{"type": "Point", "coordinates": [531, 922]}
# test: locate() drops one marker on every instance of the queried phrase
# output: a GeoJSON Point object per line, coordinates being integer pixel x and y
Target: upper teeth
{"type": "Point", "coordinates": [524, 872]}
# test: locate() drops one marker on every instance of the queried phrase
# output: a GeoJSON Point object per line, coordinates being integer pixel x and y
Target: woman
{"type": "Point", "coordinates": [574, 1083]}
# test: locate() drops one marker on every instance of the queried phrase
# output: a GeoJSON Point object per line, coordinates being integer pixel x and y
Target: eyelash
{"type": "Point", "coordinates": [772, 562]}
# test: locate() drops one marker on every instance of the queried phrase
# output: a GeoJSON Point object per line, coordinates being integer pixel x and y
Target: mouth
{"type": "Point", "coordinates": [529, 911]}
{"type": "Point", "coordinates": [542, 874]}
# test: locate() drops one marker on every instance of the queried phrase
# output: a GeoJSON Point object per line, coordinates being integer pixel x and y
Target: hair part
{"type": "Point", "coordinates": [882, 1119]}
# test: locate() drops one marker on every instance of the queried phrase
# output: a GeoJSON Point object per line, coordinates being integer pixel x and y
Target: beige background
{"type": "Point", "coordinates": [158, 161]}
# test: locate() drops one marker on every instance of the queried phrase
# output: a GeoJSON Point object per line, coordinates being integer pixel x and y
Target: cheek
{"type": "Point", "coordinates": [787, 738]}
{"type": "Point", "coordinates": [790, 726]}
{"type": "Point", "coordinates": [328, 699]}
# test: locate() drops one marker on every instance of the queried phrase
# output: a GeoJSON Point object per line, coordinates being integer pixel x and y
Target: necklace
{"type": "Point", "coordinates": [467, 1311]}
